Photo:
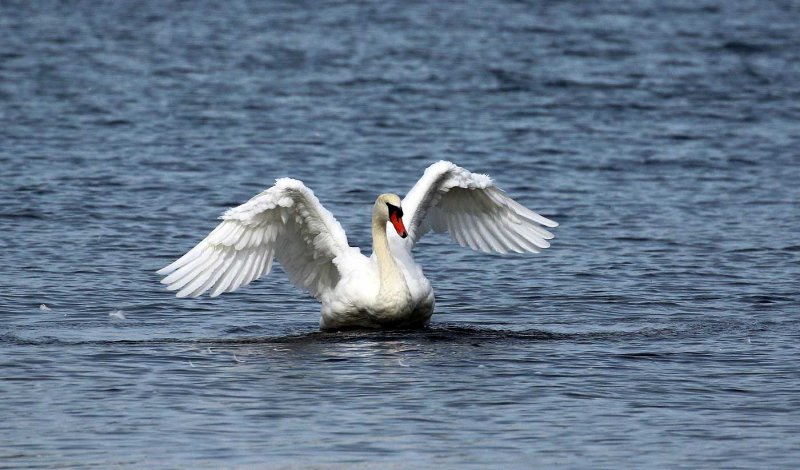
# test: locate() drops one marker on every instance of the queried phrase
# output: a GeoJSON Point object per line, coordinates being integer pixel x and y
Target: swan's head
{"type": "Point", "coordinates": [387, 207]}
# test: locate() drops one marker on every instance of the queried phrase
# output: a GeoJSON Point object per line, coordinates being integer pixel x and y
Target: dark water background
{"type": "Point", "coordinates": [659, 331]}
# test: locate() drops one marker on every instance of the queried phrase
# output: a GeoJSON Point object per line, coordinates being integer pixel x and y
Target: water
{"type": "Point", "coordinates": [660, 330]}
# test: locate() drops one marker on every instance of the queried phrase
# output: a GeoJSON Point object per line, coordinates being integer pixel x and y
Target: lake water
{"type": "Point", "coordinates": [659, 331]}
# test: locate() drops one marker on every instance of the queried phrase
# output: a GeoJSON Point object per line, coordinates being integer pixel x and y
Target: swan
{"type": "Point", "coordinates": [287, 223]}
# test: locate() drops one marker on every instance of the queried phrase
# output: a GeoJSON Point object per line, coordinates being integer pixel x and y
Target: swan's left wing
{"type": "Point", "coordinates": [476, 213]}
{"type": "Point", "coordinates": [286, 222]}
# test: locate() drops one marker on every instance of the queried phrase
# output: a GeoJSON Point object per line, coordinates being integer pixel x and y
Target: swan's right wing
{"type": "Point", "coordinates": [286, 222]}
{"type": "Point", "coordinates": [476, 213]}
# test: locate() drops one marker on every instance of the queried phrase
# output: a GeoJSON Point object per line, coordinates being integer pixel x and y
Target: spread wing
{"type": "Point", "coordinates": [286, 222]}
{"type": "Point", "coordinates": [475, 212]}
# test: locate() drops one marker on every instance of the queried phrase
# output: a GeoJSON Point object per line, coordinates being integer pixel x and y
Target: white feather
{"type": "Point", "coordinates": [475, 212]}
{"type": "Point", "coordinates": [241, 248]}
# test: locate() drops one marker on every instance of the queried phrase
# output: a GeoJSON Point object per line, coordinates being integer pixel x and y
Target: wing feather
{"type": "Point", "coordinates": [205, 278]}
{"type": "Point", "coordinates": [507, 238]}
{"type": "Point", "coordinates": [469, 225]}
{"type": "Point", "coordinates": [455, 229]}
{"type": "Point", "coordinates": [476, 213]}
{"type": "Point", "coordinates": [286, 222]}
{"type": "Point", "coordinates": [493, 243]}
{"type": "Point", "coordinates": [483, 245]}
{"type": "Point", "coordinates": [227, 284]}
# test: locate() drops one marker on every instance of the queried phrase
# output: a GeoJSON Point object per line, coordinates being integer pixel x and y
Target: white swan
{"type": "Point", "coordinates": [386, 290]}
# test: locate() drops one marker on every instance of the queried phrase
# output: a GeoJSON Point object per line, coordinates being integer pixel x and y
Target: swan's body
{"type": "Point", "coordinates": [386, 290]}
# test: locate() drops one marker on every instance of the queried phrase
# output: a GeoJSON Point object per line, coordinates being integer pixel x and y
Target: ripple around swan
{"type": "Point", "coordinates": [440, 332]}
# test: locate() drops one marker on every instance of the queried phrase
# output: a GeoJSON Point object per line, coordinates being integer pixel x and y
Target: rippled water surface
{"type": "Point", "coordinates": [660, 330]}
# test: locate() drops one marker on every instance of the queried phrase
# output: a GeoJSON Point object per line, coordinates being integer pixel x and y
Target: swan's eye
{"type": "Point", "coordinates": [394, 210]}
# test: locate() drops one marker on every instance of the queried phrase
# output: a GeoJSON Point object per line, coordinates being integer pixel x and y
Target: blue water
{"type": "Point", "coordinates": [659, 331]}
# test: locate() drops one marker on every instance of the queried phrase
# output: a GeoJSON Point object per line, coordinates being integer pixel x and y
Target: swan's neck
{"type": "Point", "coordinates": [391, 278]}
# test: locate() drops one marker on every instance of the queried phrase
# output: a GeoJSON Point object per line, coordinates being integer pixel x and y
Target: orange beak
{"type": "Point", "coordinates": [397, 221]}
